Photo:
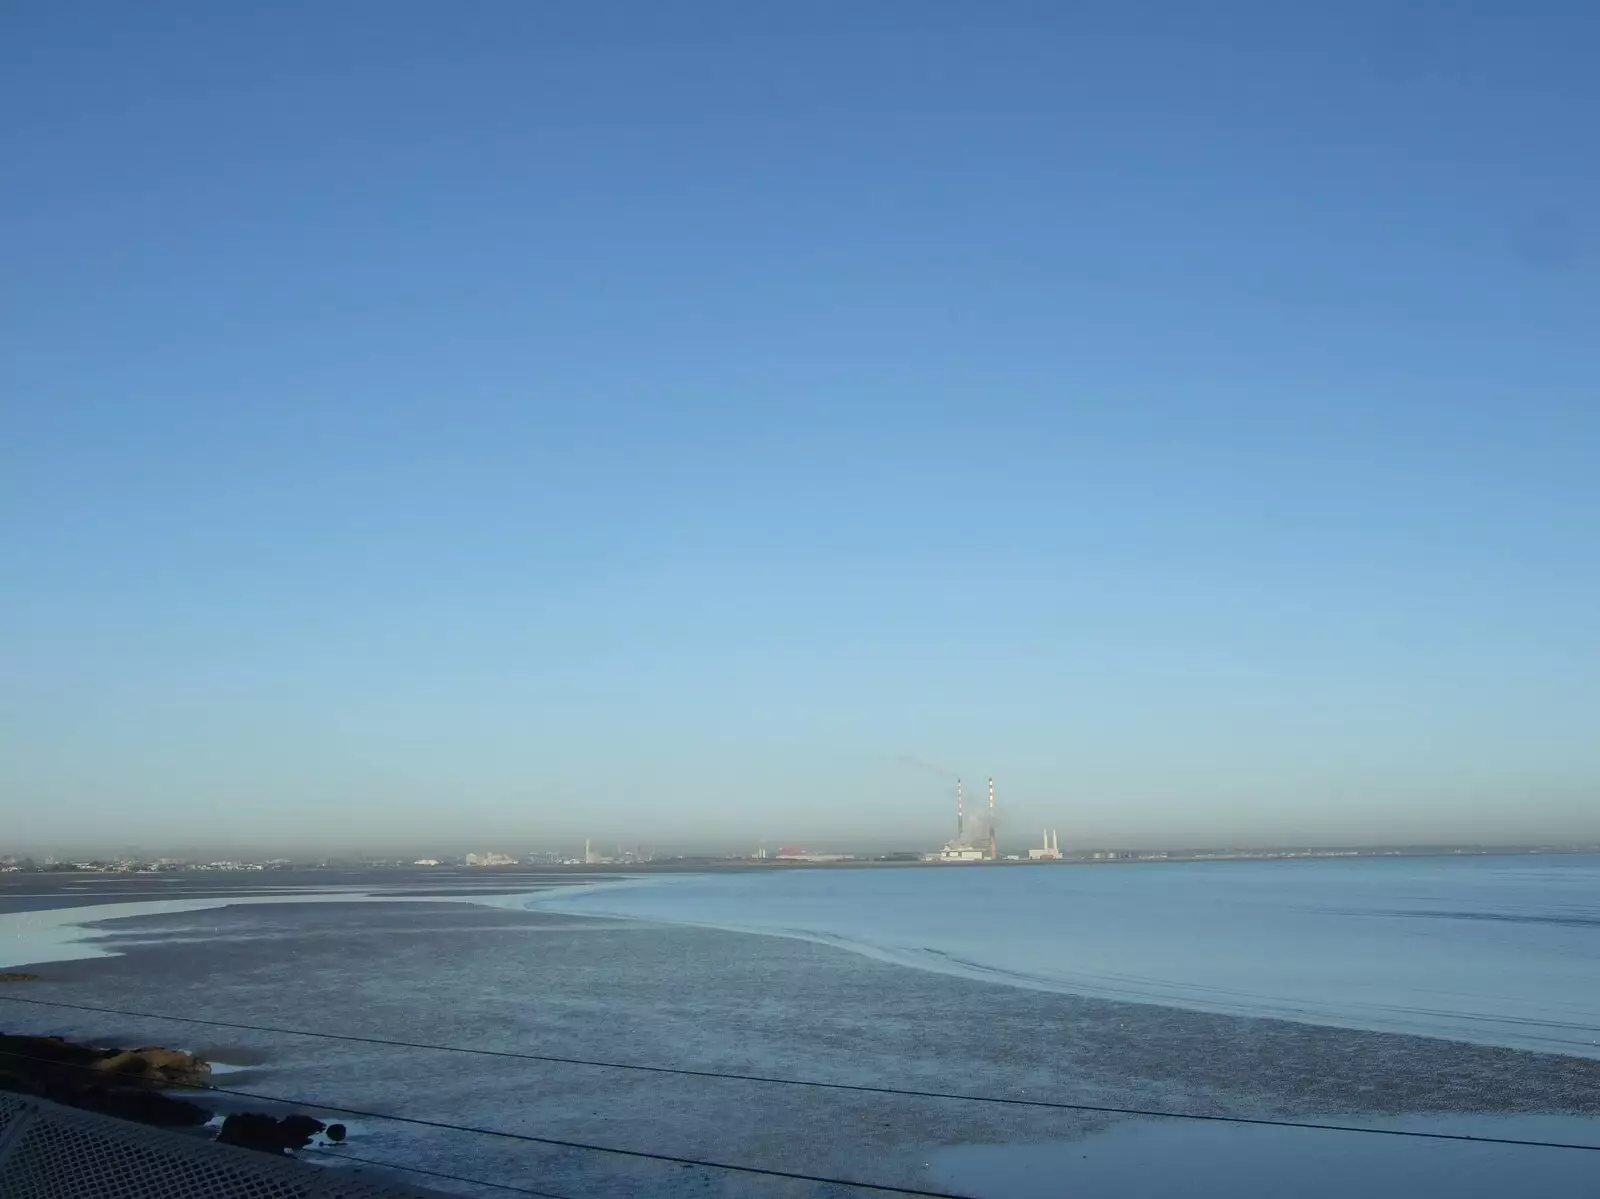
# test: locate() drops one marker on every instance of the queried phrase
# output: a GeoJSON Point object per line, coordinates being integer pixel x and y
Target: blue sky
{"type": "Point", "coordinates": [512, 422]}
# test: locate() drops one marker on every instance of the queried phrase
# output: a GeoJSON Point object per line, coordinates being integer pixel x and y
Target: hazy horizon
{"type": "Point", "coordinates": [923, 832]}
{"type": "Point", "coordinates": [713, 425]}
{"type": "Point", "coordinates": [204, 853]}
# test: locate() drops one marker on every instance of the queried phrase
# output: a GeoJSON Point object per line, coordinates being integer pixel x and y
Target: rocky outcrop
{"type": "Point", "coordinates": [17, 976]}
{"type": "Point", "coordinates": [151, 1064]}
{"type": "Point", "coordinates": [117, 1082]}
{"type": "Point", "coordinates": [129, 1084]}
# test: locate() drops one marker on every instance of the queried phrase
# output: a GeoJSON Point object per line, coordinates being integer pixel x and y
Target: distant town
{"type": "Point", "coordinates": [1048, 852]}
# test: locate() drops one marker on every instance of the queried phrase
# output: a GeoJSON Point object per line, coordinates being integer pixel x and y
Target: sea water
{"type": "Point", "coordinates": [1494, 950]}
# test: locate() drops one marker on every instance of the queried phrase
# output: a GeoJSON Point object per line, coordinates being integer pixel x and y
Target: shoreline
{"type": "Point", "coordinates": [69, 931]}
{"type": "Point", "coordinates": [34, 974]}
{"type": "Point", "coordinates": [591, 986]}
{"type": "Point", "coordinates": [78, 933]}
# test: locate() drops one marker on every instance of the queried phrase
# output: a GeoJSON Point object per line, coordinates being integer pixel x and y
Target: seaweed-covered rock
{"type": "Point", "coordinates": [168, 1067]}
{"type": "Point", "coordinates": [123, 1083]}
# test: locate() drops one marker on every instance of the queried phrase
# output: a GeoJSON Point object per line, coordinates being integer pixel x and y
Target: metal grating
{"type": "Point", "coordinates": [52, 1152]}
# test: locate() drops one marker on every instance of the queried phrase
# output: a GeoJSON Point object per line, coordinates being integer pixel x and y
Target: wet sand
{"type": "Point", "coordinates": [664, 995]}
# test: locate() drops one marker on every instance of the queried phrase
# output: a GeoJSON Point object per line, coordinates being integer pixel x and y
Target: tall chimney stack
{"type": "Point", "coordinates": [994, 848]}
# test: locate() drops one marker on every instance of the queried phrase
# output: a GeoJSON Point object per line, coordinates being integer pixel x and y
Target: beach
{"type": "Point", "coordinates": [500, 978]}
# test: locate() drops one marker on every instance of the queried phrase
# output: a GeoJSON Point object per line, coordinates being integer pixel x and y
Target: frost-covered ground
{"type": "Point", "coordinates": [662, 995]}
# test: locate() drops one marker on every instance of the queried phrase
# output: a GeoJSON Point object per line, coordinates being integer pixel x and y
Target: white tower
{"type": "Point", "coordinates": [994, 847]}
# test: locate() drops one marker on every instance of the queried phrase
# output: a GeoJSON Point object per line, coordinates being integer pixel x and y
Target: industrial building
{"type": "Point", "coordinates": [1051, 851]}
{"type": "Point", "coordinates": [976, 836]}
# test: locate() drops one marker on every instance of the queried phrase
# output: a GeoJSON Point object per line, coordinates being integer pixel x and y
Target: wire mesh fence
{"type": "Point", "coordinates": [52, 1152]}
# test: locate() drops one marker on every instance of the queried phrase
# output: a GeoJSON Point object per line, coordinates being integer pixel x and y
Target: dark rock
{"type": "Point", "coordinates": [300, 1129]}
{"type": "Point", "coordinates": [257, 1130]}
{"type": "Point", "coordinates": [251, 1130]}
{"type": "Point", "coordinates": [136, 1103]}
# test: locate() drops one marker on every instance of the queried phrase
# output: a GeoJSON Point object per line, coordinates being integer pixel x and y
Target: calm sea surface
{"type": "Point", "coordinates": [1496, 950]}
{"type": "Point", "coordinates": [1502, 951]}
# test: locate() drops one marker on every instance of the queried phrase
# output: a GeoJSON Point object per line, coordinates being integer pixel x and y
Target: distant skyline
{"type": "Point", "coordinates": [453, 852]}
{"type": "Point", "coordinates": [503, 425]}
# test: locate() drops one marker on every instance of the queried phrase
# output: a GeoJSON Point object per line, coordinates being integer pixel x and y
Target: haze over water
{"type": "Point", "coordinates": [1496, 950]}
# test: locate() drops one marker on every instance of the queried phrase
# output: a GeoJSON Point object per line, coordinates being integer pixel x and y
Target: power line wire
{"type": "Point", "coordinates": [861, 1088]}
{"type": "Point", "coordinates": [704, 1163]}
